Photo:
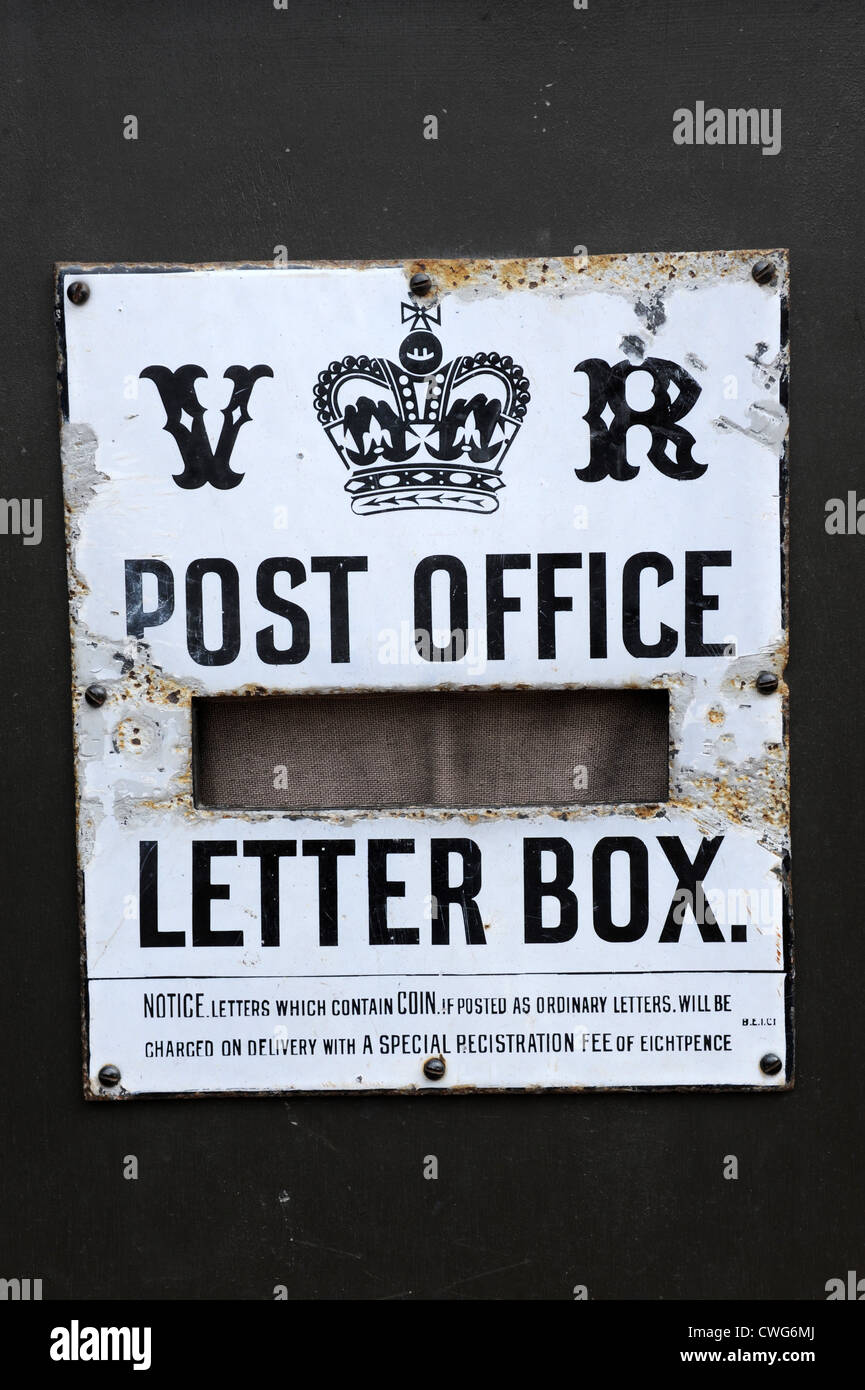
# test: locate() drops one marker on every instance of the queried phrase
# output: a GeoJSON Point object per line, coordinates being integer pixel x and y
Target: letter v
{"type": "Point", "coordinates": [178, 395]}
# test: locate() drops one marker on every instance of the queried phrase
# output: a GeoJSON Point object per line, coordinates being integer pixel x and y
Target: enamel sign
{"type": "Point", "coordinates": [428, 636]}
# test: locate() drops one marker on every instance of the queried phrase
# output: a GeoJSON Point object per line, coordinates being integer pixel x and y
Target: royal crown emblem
{"type": "Point", "coordinates": [422, 434]}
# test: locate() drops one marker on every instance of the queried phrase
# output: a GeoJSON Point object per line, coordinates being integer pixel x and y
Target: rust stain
{"type": "Point", "coordinates": [654, 272]}
{"type": "Point", "coordinates": [617, 270]}
{"type": "Point", "coordinates": [754, 798]}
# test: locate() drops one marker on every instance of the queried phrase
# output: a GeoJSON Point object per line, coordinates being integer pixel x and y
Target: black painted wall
{"type": "Point", "coordinates": [303, 127]}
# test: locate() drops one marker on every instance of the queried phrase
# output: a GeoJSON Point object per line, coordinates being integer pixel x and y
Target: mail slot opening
{"type": "Point", "coordinates": [454, 749]}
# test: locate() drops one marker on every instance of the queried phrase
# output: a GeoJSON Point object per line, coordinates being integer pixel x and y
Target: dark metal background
{"type": "Point", "coordinates": [261, 127]}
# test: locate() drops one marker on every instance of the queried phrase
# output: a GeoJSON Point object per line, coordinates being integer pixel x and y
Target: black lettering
{"type": "Point", "coordinates": [608, 443]}
{"type": "Point", "coordinates": [328, 852]}
{"type": "Point", "coordinates": [148, 897]}
{"type": "Point", "coordinates": [269, 852]}
{"type": "Point", "coordinates": [380, 889]}
{"type": "Point", "coordinates": [497, 603]}
{"type": "Point", "coordinates": [274, 603]}
{"type": "Point", "coordinates": [204, 892]}
{"type": "Point", "coordinates": [462, 894]}
{"type": "Point", "coordinates": [597, 605]}
{"type": "Point", "coordinates": [602, 891]}
{"type": "Point", "coordinates": [136, 618]}
{"type": "Point", "coordinates": [535, 889]}
{"type": "Point", "coordinates": [690, 879]}
{"type": "Point", "coordinates": [631, 635]}
{"type": "Point", "coordinates": [697, 603]}
{"type": "Point", "coordinates": [230, 588]}
{"type": "Point", "coordinates": [201, 464]}
{"type": "Point", "coordinates": [458, 615]}
{"type": "Point", "coordinates": [549, 602]}
{"type": "Point", "coordinates": [339, 567]}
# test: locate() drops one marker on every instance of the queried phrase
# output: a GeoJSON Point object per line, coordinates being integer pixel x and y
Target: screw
{"type": "Point", "coordinates": [96, 695]}
{"type": "Point", "coordinates": [766, 682]}
{"type": "Point", "coordinates": [770, 1065]}
{"type": "Point", "coordinates": [434, 1068]}
{"type": "Point", "coordinates": [763, 271]}
{"type": "Point", "coordinates": [109, 1075]}
{"type": "Point", "coordinates": [420, 283]}
{"type": "Point", "coordinates": [78, 292]}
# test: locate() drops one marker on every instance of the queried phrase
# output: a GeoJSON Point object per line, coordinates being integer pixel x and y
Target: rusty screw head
{"type": "Point", "coordinates": [420, 283]}
{"type": "Point", "coordinates": [763, 271]}
{"type": "Point", "coordinates": [78, 292]}
{"type": "Point", "coordinates": [434, 1068]}
{"type": "Point", "coordinates": [771, 1064]}
{"type": "Point", "coordinates": [766, 682]}
{"type": "Point", "coordinates": [109, 1075]}
{"type": "Point", "coordinates": [96, 695]}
